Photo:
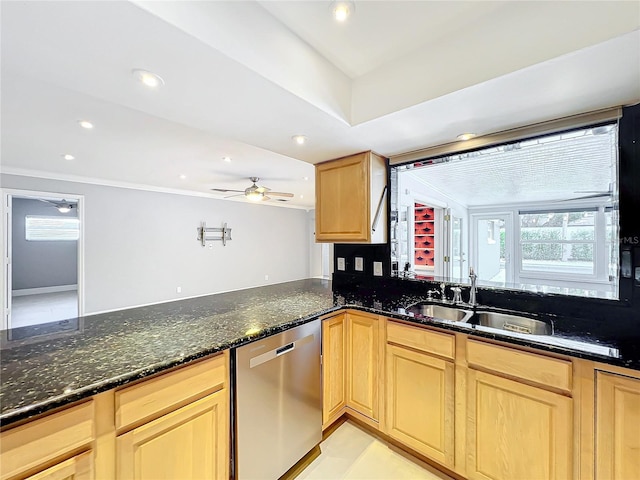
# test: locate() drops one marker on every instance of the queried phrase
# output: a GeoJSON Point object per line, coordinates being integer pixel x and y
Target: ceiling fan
{"type": "Point", "coordinates": [63, 206]}
{"type": "Point", "coordinates": [254, 192]}
{"type": "Point", "coordinates": [595, 193]}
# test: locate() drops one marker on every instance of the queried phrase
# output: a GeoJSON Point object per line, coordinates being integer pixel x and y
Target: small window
{"type": "Point", "coordinates": [39, 229]}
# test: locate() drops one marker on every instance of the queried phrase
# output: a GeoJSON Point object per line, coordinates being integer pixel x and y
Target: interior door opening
{"type": "Point", "coordinates": [493, 248]}
{"type": "Point", "coordinates": [43, 258]}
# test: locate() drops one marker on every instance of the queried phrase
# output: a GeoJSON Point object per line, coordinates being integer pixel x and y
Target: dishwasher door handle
{"type": "Point", "coordinates": [276, 352]}
{"type": "Point", "coordinates": [285, 349]}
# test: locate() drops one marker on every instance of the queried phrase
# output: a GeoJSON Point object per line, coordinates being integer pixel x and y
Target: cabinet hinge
{"type": "Point", "coordinates": [447, 218]}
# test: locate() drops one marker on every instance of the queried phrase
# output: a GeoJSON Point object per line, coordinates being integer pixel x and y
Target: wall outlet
{"type": "Point", "coordinates": [178, 289]}
{"type": "Point", "coordinates": [377, 269]}
{"type": "Point", "coordinates": [359, 264]}
{"type": "Point", "coordinates": [341, 264]}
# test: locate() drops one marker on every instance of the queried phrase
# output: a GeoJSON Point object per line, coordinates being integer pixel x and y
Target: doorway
{"type": "Point", "coordinates": [42, 258]}
{"type": "Point", "coordinates": [493, 247]}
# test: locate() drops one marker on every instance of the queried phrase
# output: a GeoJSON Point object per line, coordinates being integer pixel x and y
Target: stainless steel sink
{"type": "Point", "coordinates": [453, 314]}
{"type": "Point", "coordinates": [514, 323]}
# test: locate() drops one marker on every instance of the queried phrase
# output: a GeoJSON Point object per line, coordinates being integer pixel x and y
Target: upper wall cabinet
{"type": "Point", "coordinates": [351, 198]}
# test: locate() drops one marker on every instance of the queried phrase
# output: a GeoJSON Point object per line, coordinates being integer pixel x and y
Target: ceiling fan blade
{"type": "Point", "coordinates": [264, 197]}
{"type": "Point", "coordinates": [597, 195]}
{"type": "Point", "coordinates": [236, 195]}
{"type": "Point", "coordinates": [224, 190]}
{"type": "Point", "coordinates": [281, 194]}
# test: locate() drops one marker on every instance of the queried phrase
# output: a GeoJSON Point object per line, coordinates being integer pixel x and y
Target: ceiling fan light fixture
{"type": "Point", "coordinates": [254, 196]}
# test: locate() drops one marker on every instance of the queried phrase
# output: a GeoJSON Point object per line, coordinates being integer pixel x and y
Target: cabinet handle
{"type": "Point", "coordinates": [376, 218]}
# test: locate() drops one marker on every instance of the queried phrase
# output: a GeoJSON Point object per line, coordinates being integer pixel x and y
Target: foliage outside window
{"type": "Point", "coordinates": [38, 228]}
{"type": "Point", "coordinates": [558, 242]}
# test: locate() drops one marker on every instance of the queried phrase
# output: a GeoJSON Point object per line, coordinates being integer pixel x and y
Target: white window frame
{"type": "Point", "coordinates": [600, 259]}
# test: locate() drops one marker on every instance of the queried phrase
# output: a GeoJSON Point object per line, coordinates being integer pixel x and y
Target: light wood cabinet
{"type": "Point", "coordinates": [617, 427]}
{"type": "Point", "coordinates": [349, 193]}
{"type": "Point", "coordinates": [362, 364]}
{"type": "Point", "coordinates": [190, 442]}
{"type": "Point", "coordinates": [516, 431]}
{"type": "Point", "coordinates": [334, 363]}
{"type": "Point", "coordinates": [420, 402]}
{"type": "Point", "coordinates": [39, 445]}
{"type": "Point", "coordinates": [175, 425]}
{"type": "Point", "coordinates": [79, 467]}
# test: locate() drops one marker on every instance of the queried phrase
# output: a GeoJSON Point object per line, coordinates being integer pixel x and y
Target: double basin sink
{"type": "Point", "coordinates": [501, 321]}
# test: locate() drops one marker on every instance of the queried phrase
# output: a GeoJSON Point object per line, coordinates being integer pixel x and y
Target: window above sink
{"type": "Point", "coordinates": [537, 214]}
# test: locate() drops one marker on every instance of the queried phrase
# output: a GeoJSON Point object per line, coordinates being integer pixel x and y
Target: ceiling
{"type": "Point", "coordinates": [241, 78]}
{"type": "Point", "coordinates": [579, 165]}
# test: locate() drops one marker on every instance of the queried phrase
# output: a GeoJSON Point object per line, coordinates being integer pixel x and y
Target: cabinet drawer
{"type": "Point", "coordinates": [547, 371]}
{"type": "Point", "coordinates": [154, 397]}
{"type": "Point", "coordinates": [441, 344]}
{"type": "Point", "coordinates": [40, 441]}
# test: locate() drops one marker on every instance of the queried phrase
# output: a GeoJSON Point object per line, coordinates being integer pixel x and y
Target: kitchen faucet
{"type": "Point", "coordinates": [443, 292]}
{"type": "Point", "coordinates": [472, 291]}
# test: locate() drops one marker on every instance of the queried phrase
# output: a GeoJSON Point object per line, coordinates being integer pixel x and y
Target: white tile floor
{"type": "Point", "coordinates": [43, 308]}
{"type": "Point", "coordinates": [351, 453]}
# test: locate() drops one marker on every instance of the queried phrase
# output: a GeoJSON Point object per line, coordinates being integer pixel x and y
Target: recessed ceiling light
{"type": "Point", "coordinates": [466, 136]}
{"type": "Point", "coordinates": [85, 124]}
{"type": "Point", "coordinates": [301, 196]}
{"type": "Point", "coordinates": [183, 177]}
{"type": "Point", "coordinates": [68, 156]}
{"type": "Point", "coordinates": [342, 9]}
{"type": "Point", "coordinates": [299, 139]}
{"type": "Point", "coordinates": [305, 178]}
{"type": "Point", "coordinates": [226, 159]}
{"type": "Point", "coordinates": [148, 79]}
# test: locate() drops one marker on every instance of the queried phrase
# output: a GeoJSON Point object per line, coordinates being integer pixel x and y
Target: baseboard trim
{"type": "Point", "coordinates": [39, 290]}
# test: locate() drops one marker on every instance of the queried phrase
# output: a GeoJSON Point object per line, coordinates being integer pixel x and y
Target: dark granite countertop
{"type": "Point", "coordinates": [47, 366]}
{"type": "Point", "coordinates": [81, 357]}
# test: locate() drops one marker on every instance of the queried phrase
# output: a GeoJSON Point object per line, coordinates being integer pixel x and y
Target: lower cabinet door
{"type": "Point", "coordinates": [79, 467]}
{"type": "Point", "coordinates": [617, 427]}
{"type": "Point", "coordinates": [420, 403]}
{"type": "Point", "coordinates": [333, 368]}
{"type": "Point", "coordinates": [516, 431]}
{"type": "Point", "coordinates": [189, 443]}
{"type": "Point", "coordinates": [362, 364]}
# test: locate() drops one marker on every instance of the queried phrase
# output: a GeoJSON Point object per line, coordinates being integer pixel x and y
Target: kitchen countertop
{"type": "Point", "coordinates": [99, 352]}
{"type": "Point", "coordinates": [47, 366]}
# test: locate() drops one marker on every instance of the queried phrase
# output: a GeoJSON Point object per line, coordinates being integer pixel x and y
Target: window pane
{"type": "Point", "coordinates": [572, 259]}
{"type": "Point", "coordinates": [557, 226]}
{"type": "Point", "coordinates": [51, 228]}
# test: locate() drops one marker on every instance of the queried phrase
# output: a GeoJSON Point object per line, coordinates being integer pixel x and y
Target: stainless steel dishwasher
{"type": "Point", "coordinates": [278, 402]}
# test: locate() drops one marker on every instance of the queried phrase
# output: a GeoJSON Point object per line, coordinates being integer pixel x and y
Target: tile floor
{"type": "Point", "coordinates": [351, 453]}
{"type": "Point", "coordinates": [43, 308]}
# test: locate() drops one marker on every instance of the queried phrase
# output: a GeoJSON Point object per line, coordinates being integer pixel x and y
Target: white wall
{"type": "Point", "coordinates": [140, 245]}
